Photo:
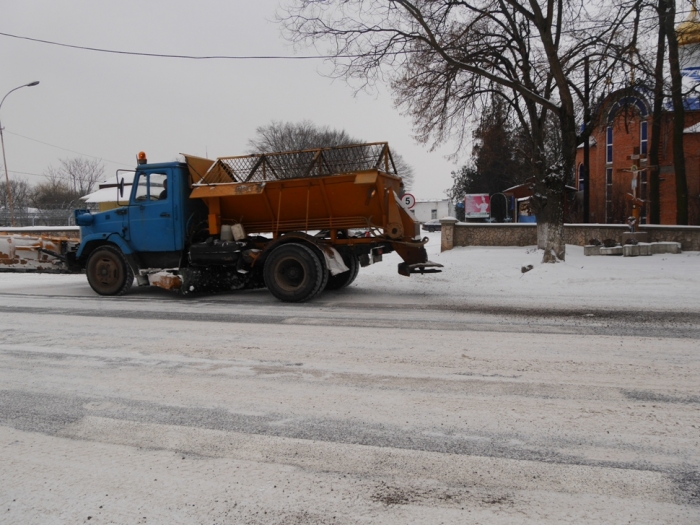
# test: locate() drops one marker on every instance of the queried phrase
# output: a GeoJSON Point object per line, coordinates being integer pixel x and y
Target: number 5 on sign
{"type": "Point", "coordinates": [408, 200]}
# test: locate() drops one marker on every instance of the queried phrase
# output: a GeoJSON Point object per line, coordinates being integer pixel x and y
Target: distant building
{"type": "Point", "coordinates": [108, 196]}
{"type": "Point", "coordinates": [520, 207]}
{"type": "Point", "coordinates": [619, 161]}
{"type": "Point", "coordinates": [426, 210]}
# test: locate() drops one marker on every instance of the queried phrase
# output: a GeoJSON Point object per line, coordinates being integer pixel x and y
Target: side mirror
{"type": "Point", "coordinates": [120, 185]}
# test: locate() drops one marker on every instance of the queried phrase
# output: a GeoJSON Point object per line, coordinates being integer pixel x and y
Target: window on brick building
{"type": "Point", "coordinates": [609, 145]}
{"type": "Point", "coordinates": [643, 195]}
{"type": "Point", "coordinates": [580, 177]}
{"type": "Point", "coordinates": [608, 194]}
{"type": "Point", "coordinates": [643, 137]}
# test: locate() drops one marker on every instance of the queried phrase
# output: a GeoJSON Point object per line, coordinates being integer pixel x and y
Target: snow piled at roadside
{"type": "Point", "coordinates": [482, 275]}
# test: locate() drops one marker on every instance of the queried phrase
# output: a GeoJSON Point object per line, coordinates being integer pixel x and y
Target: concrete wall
{"type": "Point", "coordinates": [484, 234]}
{"type": "Point", "coordinates": [581, 234]}
{"type": "Point", "coordinates": [688, 236]}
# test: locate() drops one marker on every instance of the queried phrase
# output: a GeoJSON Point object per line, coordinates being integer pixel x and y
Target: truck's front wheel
{"type": "Point", "coordinates": [293, 273]}
{"type": "Point", "coordinates": [108, 272]}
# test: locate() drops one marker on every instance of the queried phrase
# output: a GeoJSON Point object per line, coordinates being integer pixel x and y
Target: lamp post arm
{"type": "Point", "coordinates": [30, 84]}
{"type": "Point", "coordinates": [3, 98]}
{"type": "Point", "coordinates": [4, 160]}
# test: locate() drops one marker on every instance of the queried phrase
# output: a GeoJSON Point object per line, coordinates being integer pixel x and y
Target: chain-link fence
{"type": "Point", "coordinates": [54, 216]}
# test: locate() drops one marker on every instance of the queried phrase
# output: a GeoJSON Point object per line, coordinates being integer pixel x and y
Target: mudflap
{"type": "Point", "coordinates": [426, 267]}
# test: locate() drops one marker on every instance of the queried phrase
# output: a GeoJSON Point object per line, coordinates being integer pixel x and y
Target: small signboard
{"type": "Point", "coordinates": [408, 200]}
{"type": "Point", "coordinates": [477, 206]}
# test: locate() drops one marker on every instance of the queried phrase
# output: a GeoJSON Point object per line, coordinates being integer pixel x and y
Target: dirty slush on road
{"type": "Point", "coordinates": [308, 417]}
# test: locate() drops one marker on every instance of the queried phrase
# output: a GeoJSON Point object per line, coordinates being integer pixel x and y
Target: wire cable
{"type": "Point", "coordinates": [256, 57]}
{"type": "Point", "coordinates": [26, 173]}
{"type": "Point", "coordinates": [188, 57]}
{"type": "Point", "coordinates": [69, 150]}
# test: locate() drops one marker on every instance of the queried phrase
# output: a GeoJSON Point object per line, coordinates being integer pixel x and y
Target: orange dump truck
{"type": "Point", "coordinates": [295, 222]}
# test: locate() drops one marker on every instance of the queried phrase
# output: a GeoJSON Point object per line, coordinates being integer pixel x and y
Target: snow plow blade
{"type": "Point", "coordinates": [426, 267]}
{"type": "Point", "coordinates": [35, 253]}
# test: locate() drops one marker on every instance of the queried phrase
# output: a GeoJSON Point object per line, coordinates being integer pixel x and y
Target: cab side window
{"type": "Point", "coordinates": [158, 186]}
{"type": "Point", "coordinates": [151, 187]}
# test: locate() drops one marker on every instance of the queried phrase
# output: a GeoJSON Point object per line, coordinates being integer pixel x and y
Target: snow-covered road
{"type": "Point", "coordinates": [568, 394]}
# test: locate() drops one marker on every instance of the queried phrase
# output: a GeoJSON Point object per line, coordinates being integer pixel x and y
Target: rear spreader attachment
{"type": "Point", "coordinates": [426, 267]}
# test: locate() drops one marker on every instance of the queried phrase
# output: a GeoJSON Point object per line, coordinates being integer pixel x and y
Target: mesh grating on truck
{"type": "Point", "coordinates": [300, 164]}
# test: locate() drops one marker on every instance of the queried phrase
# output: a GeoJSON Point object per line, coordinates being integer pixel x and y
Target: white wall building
{"type": "Point", "coordinates": [425, 210]}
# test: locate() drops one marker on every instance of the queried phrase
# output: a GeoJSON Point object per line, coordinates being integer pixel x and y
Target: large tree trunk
{"type": "Point", "coordinates": [548, 198]}
{"type": "Point", "coordinates": [550, 228]}
{"type": "Point", "coordinates": [678, 116]}
{"type": "Point", "coordinates": [655, 139]}
{"type": "Point", "coordinates": [550, 221]}
{"type": "Point", "coordinates": [548, 201]}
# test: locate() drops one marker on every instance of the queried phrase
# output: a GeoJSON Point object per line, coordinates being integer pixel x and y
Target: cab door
{"type": "Point", "coordinates": [151, 217]}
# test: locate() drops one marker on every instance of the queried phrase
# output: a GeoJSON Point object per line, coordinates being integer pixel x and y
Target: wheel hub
{"type": "Point", "coordinates": [291, 274]}
{"type": "Point", "coordinates": [106, 270]}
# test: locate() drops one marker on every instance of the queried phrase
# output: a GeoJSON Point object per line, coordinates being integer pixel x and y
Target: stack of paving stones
{"type": "Point", "coordinates": [633, 250]}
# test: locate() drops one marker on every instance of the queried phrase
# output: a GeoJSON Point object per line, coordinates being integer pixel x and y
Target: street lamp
{"type": "Point", "coordinates": [4, 160]}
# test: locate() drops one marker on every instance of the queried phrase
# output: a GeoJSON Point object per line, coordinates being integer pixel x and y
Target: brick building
{"type": "Point", "coordinates": [619, 146]}
{"type": "Point", "coordinates": [618, 156]}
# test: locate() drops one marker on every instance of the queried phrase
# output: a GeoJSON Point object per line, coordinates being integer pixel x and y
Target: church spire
{"type": "Point", "coordinates": [688, 31]}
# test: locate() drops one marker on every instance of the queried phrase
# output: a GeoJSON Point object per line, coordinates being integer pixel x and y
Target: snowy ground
{"type": "Point", "coordinates": [568, 394]}
{"type": "Point", "coordinates": [492, 276]}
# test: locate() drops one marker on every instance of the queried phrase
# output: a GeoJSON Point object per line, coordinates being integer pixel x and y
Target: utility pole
{"type": "Point", "coordinates": [586, 143]}
{"type": "Point", "coordinates": [4, 159]}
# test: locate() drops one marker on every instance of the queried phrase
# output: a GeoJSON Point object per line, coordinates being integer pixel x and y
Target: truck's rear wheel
{"type": "Point", "coordinates": [294, 273]}
{"type": "Point", "coordinates": [341, 280]}
{"type": "Point", "coordinates": [108, 272]}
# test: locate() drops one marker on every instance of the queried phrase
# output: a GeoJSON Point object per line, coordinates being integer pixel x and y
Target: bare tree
{"type": "Point", "coordinates": [497, 161]}
{"type": "Point", "coordinates": [78, 173]}
{"type": "Point", "coordinates": [668, 19]}
{"type": "Point", "coordinates": [53, 194]}
{"type": "Point", "coordinates": [655, 139]}
{"type": "Point", "coordinates": [21, 200]}
{"type": "Point", "coordinates": [65, 184]}
{"type": "Point", "coordinates": [21, 194]}
{"type": "Point", "coordinates": [292, 136]}
{"type": "Point", "coordinates": [445, 58]}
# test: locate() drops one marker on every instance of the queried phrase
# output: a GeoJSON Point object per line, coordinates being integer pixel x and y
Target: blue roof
{"type": "Point", "coordinates": [690, 104]}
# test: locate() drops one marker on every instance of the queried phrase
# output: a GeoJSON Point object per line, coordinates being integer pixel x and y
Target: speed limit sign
{"type": "Point", "coordinates": [408, 200]}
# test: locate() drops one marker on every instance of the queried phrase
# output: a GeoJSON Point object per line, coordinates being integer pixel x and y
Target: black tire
{"type": "Point", "coordinates": [341, 280]}
{"type": "Point", "coordinates": [108, 271]}
{"type": "Point", "coordinates": [294, 273]}
{"type": "Point", "coordinates": [324, 272]}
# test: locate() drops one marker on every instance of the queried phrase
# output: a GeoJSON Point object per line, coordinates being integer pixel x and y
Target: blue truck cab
{"type": "Point", "coordinates": [149, 228]}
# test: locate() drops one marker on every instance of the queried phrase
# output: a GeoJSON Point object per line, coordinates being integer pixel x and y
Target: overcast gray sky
{"type": "Point", "coordinates": [112, 106]}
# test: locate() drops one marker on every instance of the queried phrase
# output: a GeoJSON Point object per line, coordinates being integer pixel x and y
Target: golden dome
{"type": "Point", "coordinates": [688, 31]}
